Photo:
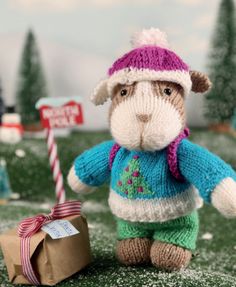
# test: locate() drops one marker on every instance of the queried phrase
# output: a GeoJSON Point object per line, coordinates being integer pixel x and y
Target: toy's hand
{"type": "Point", "coordinates": [224, 197]}
{"type": "Point", "coordinates": [76, 184]}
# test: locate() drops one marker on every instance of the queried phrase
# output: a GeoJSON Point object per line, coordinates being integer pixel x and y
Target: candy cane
{"type": "Point", "coordinates": [55, 166]}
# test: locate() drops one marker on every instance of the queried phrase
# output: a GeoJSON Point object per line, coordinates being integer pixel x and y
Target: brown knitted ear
{"type": "Point", "coordinates": [200, 82]}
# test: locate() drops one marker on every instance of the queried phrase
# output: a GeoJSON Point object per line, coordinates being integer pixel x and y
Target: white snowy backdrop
{"type": "Point", "coordinates": [78, 41]}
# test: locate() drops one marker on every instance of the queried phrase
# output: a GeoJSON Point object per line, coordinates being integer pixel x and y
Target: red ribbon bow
{"type": "Point", "coordinates": [29, 226]}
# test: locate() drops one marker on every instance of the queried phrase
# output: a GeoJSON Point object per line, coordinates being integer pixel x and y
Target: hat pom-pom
{"type": "Point", "coordinates": [150, 37]}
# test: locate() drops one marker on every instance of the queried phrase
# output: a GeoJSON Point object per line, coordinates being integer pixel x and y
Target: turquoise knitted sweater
{"type": "Point", "coordinates": [142, 188]}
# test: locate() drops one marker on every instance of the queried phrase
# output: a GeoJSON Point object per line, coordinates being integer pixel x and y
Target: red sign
{"type": "Point", "coordinates": [68, 115]}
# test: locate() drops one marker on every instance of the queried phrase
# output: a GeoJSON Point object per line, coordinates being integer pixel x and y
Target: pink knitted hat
{"type": "Point", "coordinates": [151, 59]}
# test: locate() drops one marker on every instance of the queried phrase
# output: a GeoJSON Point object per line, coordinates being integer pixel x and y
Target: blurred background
{"type": "Point", "coordinates": [78, 41]}
{"type": "Point", "coordinates": [62, 49]}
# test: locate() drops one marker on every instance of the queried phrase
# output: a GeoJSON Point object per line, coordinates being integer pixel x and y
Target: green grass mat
{"type": "Point", "coordinates": [214, 263]}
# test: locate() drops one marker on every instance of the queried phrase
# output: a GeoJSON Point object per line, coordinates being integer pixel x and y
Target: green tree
{"type": "Point", "coordinates": [131, 182]}
{"type": "Point", "coordinates": [2, 106]}
{"type": "Point", "coordinates": [221, 100]}
{"type": "Point", "coordinates": [233, 123]}
{"type": "Point", "coordinates": [31, 83]}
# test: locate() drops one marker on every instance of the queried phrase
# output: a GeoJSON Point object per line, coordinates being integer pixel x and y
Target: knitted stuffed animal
{"type": "Point", "coordinates": [158, 177]}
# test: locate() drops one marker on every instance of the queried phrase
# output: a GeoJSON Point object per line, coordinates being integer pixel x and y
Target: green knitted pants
{"type": "Point", "coordinates": [181, 231]}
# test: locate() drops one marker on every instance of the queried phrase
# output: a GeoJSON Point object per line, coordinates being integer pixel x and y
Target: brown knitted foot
{"type": "Point", "coordinates": [169, 257]}
{"type": "Point", "coordinates": [133, 251]}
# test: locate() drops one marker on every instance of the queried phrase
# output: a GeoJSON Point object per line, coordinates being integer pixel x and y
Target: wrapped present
{"type": "Point", "coordinates": [46, 249]}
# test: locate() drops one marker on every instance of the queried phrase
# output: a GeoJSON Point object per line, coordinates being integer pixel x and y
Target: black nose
{"type": "Point", "coordinates": [143, 118]}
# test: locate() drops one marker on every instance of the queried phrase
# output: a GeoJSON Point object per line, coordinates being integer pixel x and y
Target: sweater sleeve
{"type": "Point", "coordinates": [92, 166]}
{"type": "Point", "coordinates": [202, 168]}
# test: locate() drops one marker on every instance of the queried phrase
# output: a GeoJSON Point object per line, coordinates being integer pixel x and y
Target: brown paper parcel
{"type": "Point", "coordinates": [52, 259]}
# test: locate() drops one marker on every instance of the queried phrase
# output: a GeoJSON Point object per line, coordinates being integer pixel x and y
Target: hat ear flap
{"type": "Point", "coordinates": [100, 93]}
{"type": "Point", "coordinates": [200, 82]}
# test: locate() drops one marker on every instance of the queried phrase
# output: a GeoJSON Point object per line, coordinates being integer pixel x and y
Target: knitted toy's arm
{"type": "Point", "coordinates": [224, 197]}
{"type": "Point", "coordinates": [215, 179]}
{"type": "Point", "coordinates": [91, 168]}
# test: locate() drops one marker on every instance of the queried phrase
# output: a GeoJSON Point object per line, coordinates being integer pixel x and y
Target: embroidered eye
{"type": "Point", "coordinates": [168, 91]}
{"type": "Point", "coordinates": [123, 92]}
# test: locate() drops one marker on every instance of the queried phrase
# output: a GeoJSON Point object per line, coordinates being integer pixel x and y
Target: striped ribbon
{"type": "Point", "coordinates": [55, 166]}
{"type": "Point", "coordinates": [29, 226]}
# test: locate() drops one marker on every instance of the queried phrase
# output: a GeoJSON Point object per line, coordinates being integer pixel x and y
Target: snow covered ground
{"type": "Point", "coordinates": [214, 263]}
